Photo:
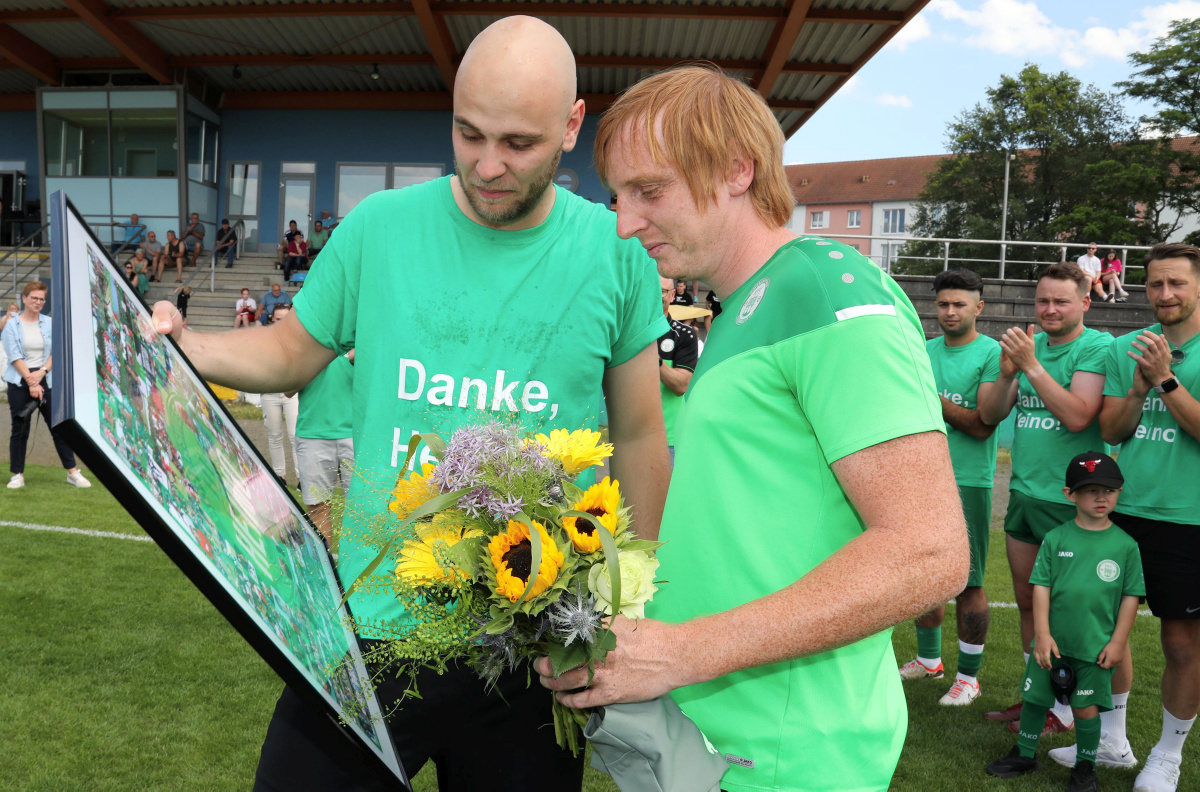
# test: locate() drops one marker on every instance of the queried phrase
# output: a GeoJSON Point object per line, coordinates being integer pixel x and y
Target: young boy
{"type": "Point", "coordinates": [1086, 582]}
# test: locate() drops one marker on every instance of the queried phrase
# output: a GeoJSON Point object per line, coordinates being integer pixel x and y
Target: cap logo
{"type": "Point", "coordinates": [1090, 464]}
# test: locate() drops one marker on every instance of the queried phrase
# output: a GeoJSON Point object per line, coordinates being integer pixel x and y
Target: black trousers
{"type": "Point", "coordinates": [18, 398]}
{"type": "Point", "coordinates": [501, 741]}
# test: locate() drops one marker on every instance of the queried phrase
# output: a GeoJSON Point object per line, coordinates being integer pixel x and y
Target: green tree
{"type": "Point", "coordinates": [1168, 74]}
{"type": "Point", "coordinates": [1057, 128]}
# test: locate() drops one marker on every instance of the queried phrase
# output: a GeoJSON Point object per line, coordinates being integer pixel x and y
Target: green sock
{"type": "Point", "coordinates": [1087, 738]}
{"type": "Point", "coordinates": [970, 658]}
{"type": "Point", "coordinates": [1033, 720]}
{"type": "Point", "coordinates": [929, 642]}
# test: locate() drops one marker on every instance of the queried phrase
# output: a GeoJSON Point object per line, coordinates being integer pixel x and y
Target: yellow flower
{"type": "Point", "coordinates": [412, 492]}
{"type": "Point", "coordinates": [577, 451]}
{"type": "Point", "coordinates": [418, 562]}
{"type": "Point", "coordinates": [512, 558]}
{"type": "Point", "coordinates": [602, 501]}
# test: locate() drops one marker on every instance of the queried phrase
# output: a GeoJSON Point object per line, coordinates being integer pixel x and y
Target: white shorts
{"type": "Point", "coordinates": [323, 465]}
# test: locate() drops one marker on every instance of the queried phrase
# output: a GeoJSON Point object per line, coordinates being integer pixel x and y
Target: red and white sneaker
{"type": "Point", "coordinates": [1053, 725]}
{"type": "Point", "coordinates": [961, 694]}
{"type": "Point", "coordinates": [1010, 715]}
{"type": "Point", "coordinates": [918, 670]}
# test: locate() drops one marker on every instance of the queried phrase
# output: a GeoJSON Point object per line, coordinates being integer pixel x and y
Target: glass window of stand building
{"type": "Point", "coordinates": [117, 152]}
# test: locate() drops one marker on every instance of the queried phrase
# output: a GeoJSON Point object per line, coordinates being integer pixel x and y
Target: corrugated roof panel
{"type": "Point", "coordinates": [17, 81]}
{"type": "Point", "coordinates": [326, 78]}
{"type": "Point", "coordinates": [31, 5]}
{"type": "Point", "coordinates": [655, 38]}
{"type": "Point", "coordinates": [217, 3]}
{"type": "Point", "coordinates": [714, 3]}
{"type": "Point", "coordinates": [68, 39]}
{"type": "Point", "coordinates": [292, 36]}
{"type": "Point", "coordinates": [824, 42]}
{"type": "Point", "coordinates": [611, 81]}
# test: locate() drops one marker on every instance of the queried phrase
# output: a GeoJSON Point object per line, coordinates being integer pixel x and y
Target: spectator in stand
{"type": "Point", "coordinates": [154, 252]}
{"type": "Point", "coordinates": [176, 251]}
{"type": "Point", "coordinates": [317, 240]}
{"type": "Point", "coordinates": [131, 276]}
{"type": "Point", "coordinates": [1111, 270]}
{"type": "Point", "coordinates": [226, 243]}
{"type": "Point", "coordinates": [11, 313]}
{"type": "Point", "coordinates": [682, 295]}
{"type": "Point", "coordinates": [181, 302]}
{"type": "Point", "coordinates": [328, 221]}
{"type": "Point", "coordinates": [133, 234]}
{"type": "Point", "coordinates": [26, 339]}
{"type": "Point", "coordinates": [270, 301]}
{"type": "Point", "coordinates": [245, 310]}
{"type": "Point", "coordinates": [1091, 268]}
{"type": "Point", "coordinates": [193, 237]}
{"type": "Point", "coordinates": [141, 268]}
{"type": "Point", "coordinates": [279, 414]}
{"type": "Point", "coordinates": [297, 257]}
{"type": "Point", "coordinates": [287, 240]}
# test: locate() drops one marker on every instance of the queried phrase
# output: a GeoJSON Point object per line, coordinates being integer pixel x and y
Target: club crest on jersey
{"type": "Point", "coordinates": [1090, 464]}
{"type": "Point", "coordinates": [753, 300]}
{"type": "Point", "coordinates": [1108, 570]}
{"type": "Point", "coordinates": [667, 345]}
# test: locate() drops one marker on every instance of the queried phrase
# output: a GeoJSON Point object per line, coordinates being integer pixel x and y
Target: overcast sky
{"type": "Point", "coordinates": [941, 63]}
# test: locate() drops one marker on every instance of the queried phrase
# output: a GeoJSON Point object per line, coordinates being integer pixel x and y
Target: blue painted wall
{"type": "Point", "coordinates": [18, 141]}
{"type": "Point", "coordinates": [328, 137]}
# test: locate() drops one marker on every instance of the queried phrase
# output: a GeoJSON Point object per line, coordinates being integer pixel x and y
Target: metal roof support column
{"type": "Point", "coordinates": [783, 38]}
{"type": "Point", "coordinates": [131, 42]}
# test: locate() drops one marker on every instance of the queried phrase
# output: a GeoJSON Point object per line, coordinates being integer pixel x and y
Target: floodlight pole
{"type": "Point", "coordinates": [1008, 158]}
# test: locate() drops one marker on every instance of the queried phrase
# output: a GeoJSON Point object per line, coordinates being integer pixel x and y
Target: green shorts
{"type": "Point", "coordinates": [977, 508]}
{"type": "Point", "coordinates": [1030, 519]}
{"type": "Point", "coordinates": [1093, 685]}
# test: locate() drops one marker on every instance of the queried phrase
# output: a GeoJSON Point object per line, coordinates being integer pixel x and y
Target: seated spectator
{"type": "Point", "coordinates": [131, 277]}
{"type": "Point", "coordinates": [193, 237]}
{"type": "Point", "coordinates": [273, 299]}
{"type": "Point", "coordinates": [133, 234]}
{"type": "Point", "coordinates": [682, 297]}
{"type": "Point", "coordinates": [1110, 277]}
{"type": "Point", "coordinates": [141, 268]}
{"type": "Point", "coordinates": [245, 310]}
{"type": "Point", "coordinates": [327, 221]}
{"type": "Point", "coordinates": [317, 240]}
{"type": "Point", "coordinates": [287, 240]}
{"type": "Point", "coordinates": [1091, 267]}
{"type": "Point", "coordinates": [226, 243]}
{"type": "Point", "coordinates": [154, 252]}
{"type": "Point", "coordinates": [181, 302]}
{"type": "Point", "coordinates": [297, 257]}
{"type": "Point", "coordinates": [176, 251]}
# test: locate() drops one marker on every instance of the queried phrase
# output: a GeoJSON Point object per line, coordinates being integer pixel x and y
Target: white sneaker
{"type": "Point", "coordinates": [1122, 293]}
{"type": "Point", "coordinates": [16, 482]}
{"type": "Point", "coordinates": [1161, 773]}
{"type": "Point", "coordinates": [1108, 756]}
{"type": "Point", "coordinates": [961, 694]}
{"type": "Point", "coordinates": [918, 670]}
{"type": "Point", "coordinates": [78, 480]}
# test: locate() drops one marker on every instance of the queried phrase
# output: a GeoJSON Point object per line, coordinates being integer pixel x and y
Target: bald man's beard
{"type": "Point", "coordinates": [503, 215]}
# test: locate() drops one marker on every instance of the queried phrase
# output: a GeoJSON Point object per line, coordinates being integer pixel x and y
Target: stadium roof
{"type": "Point", "coordinates": [797, 53]}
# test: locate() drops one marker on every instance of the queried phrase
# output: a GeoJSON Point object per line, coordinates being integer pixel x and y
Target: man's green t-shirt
{"type": "Point", "coordinates": [1087, 573]}
{"type": "Point", "coordinates": [818, 355]}
{"type": "Point", "coordinates": [317, 239]}
{"type": "Point", "coordinates": [457, 324]}
{"type": "Point", "coordinates": [1042, 446]}
{"type": "Point", "coordinates": [1160, 461]}
{"type": "Point", "coordinates": [325, 405]}
{"type": "Point", "coordinates": [958, 372]}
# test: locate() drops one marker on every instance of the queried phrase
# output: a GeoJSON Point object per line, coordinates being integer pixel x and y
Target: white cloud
{"type": "Point", "coordinates": [915, 30]}
{"type": "Point", "coordinates": [892, 100]}
{"type": "Point", "coordinates": [1013, 27]}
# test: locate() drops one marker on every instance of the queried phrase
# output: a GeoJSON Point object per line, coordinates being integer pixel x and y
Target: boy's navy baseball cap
{"type": "Point", "coordinates": [1094, 467]}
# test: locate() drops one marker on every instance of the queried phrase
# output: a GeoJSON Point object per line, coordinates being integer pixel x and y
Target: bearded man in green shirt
{"type": "Point", "coordinates": [519, 300]}
{"type": "Point", "coordinates": [811, 432]}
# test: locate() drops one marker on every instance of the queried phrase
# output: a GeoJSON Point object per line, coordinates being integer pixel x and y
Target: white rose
{"type": "Point", "coordinates": [637, 583]}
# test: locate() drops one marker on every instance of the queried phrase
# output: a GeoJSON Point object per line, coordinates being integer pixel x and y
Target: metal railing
{"type": "Point", "coordinates": [239, 230]}
{"type": "Point", "coordinates": [886, 261]}
{"type": "Point", "coordinates": [23, 250]}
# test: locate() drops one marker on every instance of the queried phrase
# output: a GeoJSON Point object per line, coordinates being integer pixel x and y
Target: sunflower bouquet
{"type": "Point", "coordinates": [500, 558]}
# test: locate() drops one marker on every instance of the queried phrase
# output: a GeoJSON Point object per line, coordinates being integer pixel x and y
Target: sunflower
{"type": "Point", "coordinates": [601, 501]}
{"type": "Point", "coordinates": [512, 558]}
{"type": "Point", "coordinates": [418, 562]}
{"type": "Point", "coordinates": [576, 451]}
{"type": "Point", "coordinates": [412, 492]}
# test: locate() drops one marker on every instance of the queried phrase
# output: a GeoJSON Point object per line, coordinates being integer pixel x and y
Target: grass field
{"type": "Point", "coordinates": [118, 675]}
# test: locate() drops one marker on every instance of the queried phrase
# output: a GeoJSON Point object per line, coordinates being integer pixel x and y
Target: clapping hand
{"type": "Point", "coordinates": [1154, 360]}
{"type": "Point", "coordinates": [1020, 348]}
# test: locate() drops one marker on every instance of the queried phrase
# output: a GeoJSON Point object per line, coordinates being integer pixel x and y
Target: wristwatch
{"type": "Point", "coordinates": [1167, 385]}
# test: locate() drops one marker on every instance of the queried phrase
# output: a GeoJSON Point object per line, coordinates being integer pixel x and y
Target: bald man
{"type": "Point", "coordinates": [487, 294]}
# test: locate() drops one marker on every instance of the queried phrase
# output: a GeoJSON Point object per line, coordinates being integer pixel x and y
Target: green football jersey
{"type": "Point", "coordinates": [324, 411]}
{"type": "Point", "coordinates": [818, 355]}
{"type": "Point", "coordinates": [1160, 461]}
{"type": "Point", "coordinates": [1042, 446]}
{"type": "Point", "coordinates": [456, 324]}
{"type": "Point", "coordinates": [1087, 573]}
{"type": "Point", "coordinates": [958, 372]}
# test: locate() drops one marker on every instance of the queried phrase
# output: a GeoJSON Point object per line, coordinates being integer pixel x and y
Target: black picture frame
{"type": "Point", "coordinates": [216, 555]}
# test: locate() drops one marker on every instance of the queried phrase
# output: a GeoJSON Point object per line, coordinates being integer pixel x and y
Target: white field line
{"type": "Point", "coordinates": [136, 538]}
